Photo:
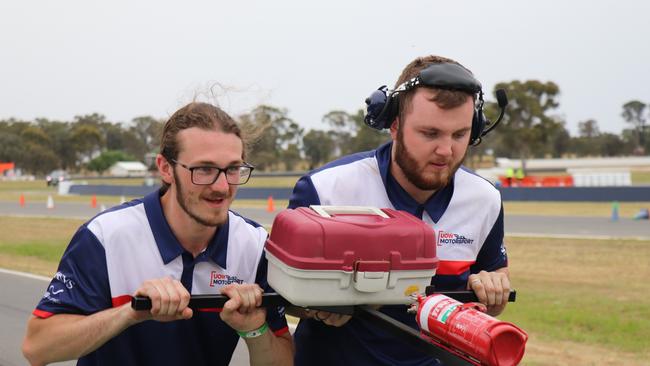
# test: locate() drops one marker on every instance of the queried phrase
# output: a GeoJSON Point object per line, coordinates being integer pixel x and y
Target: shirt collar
{"type": "Point", "coordinates": [435, 206]}
{"type": "Point", "coordinates": [167, 243]}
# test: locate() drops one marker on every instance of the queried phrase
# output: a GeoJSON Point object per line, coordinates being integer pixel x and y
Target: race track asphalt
{"type": "Point", "coordinates": [19, 294]}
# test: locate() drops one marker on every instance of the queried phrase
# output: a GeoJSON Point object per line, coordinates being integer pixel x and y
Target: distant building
{"type": "Point", "coordinates": [563, 164]}
{"type": "Point", "coordinates": [6, 167]}
{"type": "Point", "coordinates": [128, 169]}
{"type": "Point", "coordinates": [584, 172]}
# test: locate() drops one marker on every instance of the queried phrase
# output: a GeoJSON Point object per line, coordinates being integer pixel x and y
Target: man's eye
{"type": "Point", "coordinates": [232, 170]}
{"type": "Point", "coordinates": [205, 170]}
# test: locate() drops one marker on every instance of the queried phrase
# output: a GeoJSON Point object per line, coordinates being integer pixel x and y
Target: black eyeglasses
{"type": "Point", "coordinates": [207, 175]}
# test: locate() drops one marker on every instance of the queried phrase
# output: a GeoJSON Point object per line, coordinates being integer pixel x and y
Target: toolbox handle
{"type": "Point", "coordinates": [328, 211]}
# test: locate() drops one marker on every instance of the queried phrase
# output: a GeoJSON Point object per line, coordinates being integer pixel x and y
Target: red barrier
{"type": "Point", "coordinates": [6, 166]}
{"type": "Point", "coordinates": [537, 181]}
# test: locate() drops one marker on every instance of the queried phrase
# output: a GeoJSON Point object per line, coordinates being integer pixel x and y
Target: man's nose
{"type": "Point", "coordinates": [221, 184]}
{"type": "Point", "coordinates": [444, 147]}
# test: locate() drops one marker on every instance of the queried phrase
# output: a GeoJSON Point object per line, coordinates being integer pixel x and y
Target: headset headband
{"type": "Point", "coordinates": [443, 76]}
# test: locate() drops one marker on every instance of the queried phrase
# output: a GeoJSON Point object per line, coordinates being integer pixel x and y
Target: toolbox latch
{"type": "Point", "coordinates": [371, 276]}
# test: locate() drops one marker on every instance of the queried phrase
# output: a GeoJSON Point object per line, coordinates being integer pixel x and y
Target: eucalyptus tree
{"type": "Point", "coordinates": [275, 137]}
{"type": "Point", "coordinates": [529, 127]}
{"type": "Point", "coordinates": [351, 133]}
{"type": "Point", "coordinates": [318, 146]}
{"type": "Point", "coordinates": [634, 113]}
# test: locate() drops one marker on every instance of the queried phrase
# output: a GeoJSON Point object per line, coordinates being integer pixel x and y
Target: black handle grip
{"type": "Point", "coordinates": [272, 300]}
{"type": "Point", "coordinates": [210, 301]}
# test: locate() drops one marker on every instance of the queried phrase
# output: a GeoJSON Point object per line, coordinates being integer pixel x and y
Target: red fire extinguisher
{"type": "Point", "coordinates": [468, 329]}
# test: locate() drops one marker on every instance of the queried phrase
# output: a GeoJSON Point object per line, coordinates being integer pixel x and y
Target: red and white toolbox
{"type": "Point", "coordinates": [349, 255]}
{"type": "Point", "coordinates": [345, 258]}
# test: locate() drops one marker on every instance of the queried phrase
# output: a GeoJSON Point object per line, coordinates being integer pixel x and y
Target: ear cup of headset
{"type": "Point", "coordinates": [479, 121]}
{"type": "Point", "coordinates": [478, 126]}
{"type": "Point", "coordinates": [380, 109]}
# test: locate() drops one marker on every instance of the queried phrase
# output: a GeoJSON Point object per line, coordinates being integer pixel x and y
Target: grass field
{"type": "Point", "coordinates": [640, 177]}
{"type": "Point", "coordinates": [583, 302]}
{"type": "Point", "coordinates": [255, 181]}
{"type": "Point", "coordinates": [38, 192]}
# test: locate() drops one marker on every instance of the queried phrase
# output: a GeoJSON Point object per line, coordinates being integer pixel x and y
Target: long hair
{"type": "Point", "coordinates": [196, 114]}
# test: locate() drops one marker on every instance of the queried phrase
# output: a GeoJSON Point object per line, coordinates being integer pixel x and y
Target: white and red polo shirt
{"type": "Point", "coordinates": [467, 216]}
{"type": "Point", "coordinates": [111, 255]}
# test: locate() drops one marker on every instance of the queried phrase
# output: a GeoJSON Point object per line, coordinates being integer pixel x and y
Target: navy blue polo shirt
{"type": "Point", "coordinates": [111, 255]}
{"type": "Point", "coordinates": [467, 217]}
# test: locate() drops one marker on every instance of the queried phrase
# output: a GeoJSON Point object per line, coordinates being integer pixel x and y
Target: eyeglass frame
{"type": "Point", "coordinates": [219, 171]}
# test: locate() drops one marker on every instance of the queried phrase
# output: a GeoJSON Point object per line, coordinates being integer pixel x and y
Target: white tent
{"type": "Point", "coordinates": [128, 169]}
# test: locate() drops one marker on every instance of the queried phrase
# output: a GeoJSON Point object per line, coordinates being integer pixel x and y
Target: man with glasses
{"type": "Point", "coordinates": [434, 114]}
{"type": "Point", "coordinates": [178, 241]}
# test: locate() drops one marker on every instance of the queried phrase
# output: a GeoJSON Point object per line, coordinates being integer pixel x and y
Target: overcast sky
{"type": "Point", "coordinates": [128, 58]}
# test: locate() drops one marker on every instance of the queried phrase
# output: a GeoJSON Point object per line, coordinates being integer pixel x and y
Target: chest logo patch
{"type": "Point", "coordinates": [447, 238]}
{"type": "Point", "coordinates": [220, 279]}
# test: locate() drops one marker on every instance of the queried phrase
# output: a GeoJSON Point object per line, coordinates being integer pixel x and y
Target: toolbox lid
{"type": "Point", "coordinates": [351, 238]}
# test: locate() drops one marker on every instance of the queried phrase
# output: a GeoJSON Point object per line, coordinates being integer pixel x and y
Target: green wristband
{"type": "Point", "coordinates": [255, 332]}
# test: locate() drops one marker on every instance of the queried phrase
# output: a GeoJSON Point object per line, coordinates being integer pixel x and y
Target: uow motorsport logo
{"type": "Point", "coordinates": [451, 238]}
{"type": "Point", "coordinates": [220, 279]}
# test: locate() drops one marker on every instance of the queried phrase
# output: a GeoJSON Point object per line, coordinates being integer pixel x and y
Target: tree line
{"type": "Point", "coordinates": [531, 128]}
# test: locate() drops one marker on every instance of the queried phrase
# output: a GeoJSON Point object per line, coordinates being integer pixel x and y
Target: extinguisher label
{"type": "Point", "coordinates": [443, 307]}
{"type": "Point", "coordinates": [445, 313]}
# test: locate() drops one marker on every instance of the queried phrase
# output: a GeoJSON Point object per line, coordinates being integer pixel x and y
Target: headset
{"type": "Point", "coordinates": [383, 103]}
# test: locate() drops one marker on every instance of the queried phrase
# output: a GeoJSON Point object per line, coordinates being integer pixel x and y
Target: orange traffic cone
{"type": "Point", "coordinates": [93, 201]}
{"type": "Point", "coordinates": [269, 205]}
{"type": "Point", "coordinates": [22, 200]}
{"type": "Point", "coordinates": [50, 202]}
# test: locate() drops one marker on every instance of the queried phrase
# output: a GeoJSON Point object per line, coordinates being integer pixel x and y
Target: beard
{"type": "Point", "coordinates": [414, 170]}
{"type": "Point", "coordinates": [187, 204]}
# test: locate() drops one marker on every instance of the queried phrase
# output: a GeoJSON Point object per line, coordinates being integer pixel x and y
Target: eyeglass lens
{"type": "Point", "coordinates": [208, 175]}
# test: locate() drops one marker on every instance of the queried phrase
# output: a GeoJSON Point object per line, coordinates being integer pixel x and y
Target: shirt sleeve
{"type": "Point", "coordinates": [492, 255]}
{"type": "Point", "coordinates": [80, 285]}
{"type": "Point", "coordinates": [304, 193]}
{"type": "Point", "coordinates": [275, 317]}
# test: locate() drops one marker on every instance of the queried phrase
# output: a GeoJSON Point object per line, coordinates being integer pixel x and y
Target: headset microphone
{"type": "Point", "coordinates": [502, 101]}
{"type": "Point", "coordinates": [502, 98]}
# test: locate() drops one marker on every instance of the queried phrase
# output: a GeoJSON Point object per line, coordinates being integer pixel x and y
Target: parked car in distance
{"type": "Point", "coordinates": [55, 177]}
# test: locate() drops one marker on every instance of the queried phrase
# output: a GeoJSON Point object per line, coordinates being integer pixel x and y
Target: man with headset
{"type": "Point", "coordinates": [434, 114]}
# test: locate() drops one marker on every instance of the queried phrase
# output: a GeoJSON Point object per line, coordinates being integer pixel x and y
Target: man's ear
{"type": "Point", "coordinates": [165, 169]}
{"type": "Point", "coordinates": [393, 128]}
